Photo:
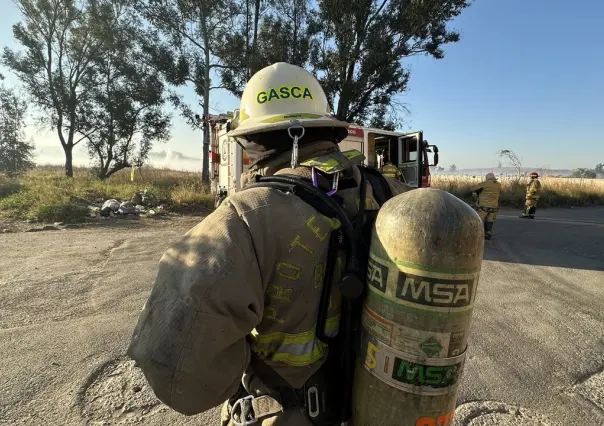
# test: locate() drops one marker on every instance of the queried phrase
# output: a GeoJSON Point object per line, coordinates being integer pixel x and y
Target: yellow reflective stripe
{"type": "Point", "coordinates": [287, 117]}
{"type": "Point", "coordinates": [352, 154]}
{"type": "Point", "coordinates": [301, 360]}
{"type": "Point", "coordinates": [325, 166]}
{"type": "Point", "coordinates": [297, 349]}
{"type": "Point", "coordinates": [289, 338]}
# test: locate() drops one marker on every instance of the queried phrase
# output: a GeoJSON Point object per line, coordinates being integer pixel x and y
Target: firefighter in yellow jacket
{"type": "Point", "coordinates": [245, 283]}
{"type": "Point", "coordinates": [487, 204]}
{"type": "Point", "coordinates": [389, 169]}
{"type": "Point", "coordinates": [533, 192]}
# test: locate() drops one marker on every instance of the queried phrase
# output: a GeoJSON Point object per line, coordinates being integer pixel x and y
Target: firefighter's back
{"type": "Point", "coordinates": [489, 196]}
{"type": "Point", "coordinates": [291, 242]}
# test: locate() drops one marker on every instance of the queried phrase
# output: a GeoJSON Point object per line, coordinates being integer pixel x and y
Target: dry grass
{"type": "Point", "coordinates": [46, 194]}
{"type": "Point", "coordinates": [556, 192]}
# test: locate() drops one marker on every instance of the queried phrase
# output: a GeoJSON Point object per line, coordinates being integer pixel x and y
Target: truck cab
{"type": "Point", "coordinates": [402, 149]}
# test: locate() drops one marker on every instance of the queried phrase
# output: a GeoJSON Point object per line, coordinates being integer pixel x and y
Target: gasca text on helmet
{"type": "Point", "coordinates": [283, 92]}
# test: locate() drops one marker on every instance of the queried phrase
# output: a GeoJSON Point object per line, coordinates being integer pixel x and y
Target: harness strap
{"type": "Point", "coordinates": [381, 190]}
{"type": "Point", "coordinates": [251, 409]}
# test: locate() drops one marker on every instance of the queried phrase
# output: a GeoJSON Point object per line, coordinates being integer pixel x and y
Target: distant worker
{"type": "Point", "coordinates": [487, 202]}
{"type": "Point", "coordinates": [533, 192]}
{"type": "Point", "coordinates": [390, 170]}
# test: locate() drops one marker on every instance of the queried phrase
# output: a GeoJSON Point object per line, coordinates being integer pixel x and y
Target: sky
{"type": "Point", "coordinates": [526, 76]}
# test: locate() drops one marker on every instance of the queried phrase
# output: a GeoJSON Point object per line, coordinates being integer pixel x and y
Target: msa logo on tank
{"type": "Point", "coordinates": [435, 292]}
{"type": "Point", "coordinates": [423, 290]}
{"type": "Point", "coordinates": [283, 92]}
{"type": "Point", "coordinates": [433, 376]}
{"type": "Point", "coordinates": [377, 274]}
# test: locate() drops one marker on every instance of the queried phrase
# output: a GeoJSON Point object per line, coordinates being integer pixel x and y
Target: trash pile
{"type": "Point", "coordinates": [133, 208]}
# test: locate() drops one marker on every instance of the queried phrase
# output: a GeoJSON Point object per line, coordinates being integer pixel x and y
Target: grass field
{"type": "Point", "coordinates": [46, 194]}
{"type": "Point", "coordinates": [555, 192]}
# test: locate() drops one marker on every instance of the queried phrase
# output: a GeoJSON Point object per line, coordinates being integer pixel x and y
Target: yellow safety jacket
{"type": "Point", "coordinates": [533, 190]}
{"type": "Point", "coordinates": [488, 193]}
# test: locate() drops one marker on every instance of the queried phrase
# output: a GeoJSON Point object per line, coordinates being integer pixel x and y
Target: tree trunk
{"type": "Point", "coordinates": [205, 172]}
{"type": "Point", "coordinates": [68, 160]}
{"type": "Point", "coordinates": [248, 63]}
{"type": "Point", "coordinates": [255, 41]}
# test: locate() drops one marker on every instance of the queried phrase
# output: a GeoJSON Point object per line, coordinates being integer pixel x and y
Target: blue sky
{"type": "Point", "coordinates": [526, 76]}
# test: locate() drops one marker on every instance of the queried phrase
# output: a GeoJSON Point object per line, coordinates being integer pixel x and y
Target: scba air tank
{"type": "Point", "coordinates": [425, 259]}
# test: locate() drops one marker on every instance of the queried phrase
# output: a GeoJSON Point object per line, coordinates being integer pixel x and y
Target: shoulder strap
{"type": "Point", "coordinates": [381, 190]}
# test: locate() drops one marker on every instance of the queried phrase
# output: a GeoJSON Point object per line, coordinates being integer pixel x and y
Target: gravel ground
{"type": "Point", "coordinates": [69, 300]}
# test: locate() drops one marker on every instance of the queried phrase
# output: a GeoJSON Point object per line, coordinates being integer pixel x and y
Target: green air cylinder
{"type": "Point", "coordinates": [424, 263]}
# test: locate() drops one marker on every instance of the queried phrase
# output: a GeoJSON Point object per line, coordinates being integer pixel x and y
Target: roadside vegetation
{"type": "Point", "coordinates": [556, 192]}
{"type": "Point", "coordinates": [47, 195]}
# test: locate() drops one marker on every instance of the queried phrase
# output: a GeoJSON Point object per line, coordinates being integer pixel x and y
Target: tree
{"type": "Point", "coordinates": [123, 116]}
{"type": "Point", "coordinates": [55, 65]}
{"type": "Point", "coordinates": [599, 169]}
{"type": "Point", "coordinates": [279, 34]}
{"type": "Point", "coordinates": [358, 48]}
{"type": "Point", "coordinates": [453, 168]}
{"type": "Point", "coordinates": [15, 151]}
{"type": "Point", "coordinates": [192, 33]}
{"type": "Point", "coordinates": [583, 173]}
{"type": "Point", "coordinates": [513, 159]}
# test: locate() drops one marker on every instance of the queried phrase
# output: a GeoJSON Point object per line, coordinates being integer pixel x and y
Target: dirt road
{"type": "Point", "coordinates": [69, 300]}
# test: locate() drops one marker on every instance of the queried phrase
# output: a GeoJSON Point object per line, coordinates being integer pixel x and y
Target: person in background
{"type": "Point", "coordinates": [390, 170]}
{"type": "Point", "coordinates": [487, 194]}
{"type": "Point", "coordinates": [533, 192]}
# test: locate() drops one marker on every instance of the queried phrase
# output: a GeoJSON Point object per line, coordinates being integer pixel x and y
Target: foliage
{"type": "Point", "coordinates": [453, 168]}
{"type": "Point", "coordinates": [15, 151]}
{"type": "Point", "coordinates": [192, 32]}
{"type": "Point", "coordinates": [599, 169]}
{"type": "Point", "coordinates": [55, 64]}
{"type": "Point", "coordinates": [124, 115]}
{"type": "Point", "coordinates": [358, 48]}
{"type": "Point", "coordinates": [82, 65]}
{"type": "Point", "coordinates": [584, 173]}
{"type": "Point", "coordinates": [266, 32]}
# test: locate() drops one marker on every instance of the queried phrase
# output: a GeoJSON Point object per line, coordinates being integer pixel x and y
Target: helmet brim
{"type": "Point", "coordinates": [283, 121]}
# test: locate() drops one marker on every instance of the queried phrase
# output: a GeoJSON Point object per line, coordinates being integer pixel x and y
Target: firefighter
{"type": "Point", "coordinates": [390, 170]}
{"type": "Point", "coordinates": [487, 194]}
{"type": "Point", "coordinates": [235, 300]}
{"type": "Point", "coordinates": [533, 192]}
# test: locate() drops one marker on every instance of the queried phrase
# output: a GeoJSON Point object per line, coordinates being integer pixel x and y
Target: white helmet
{"type": "Point", "coordinates": [490, 176]}
{"type": "Point", "coordinates": [277, 95]}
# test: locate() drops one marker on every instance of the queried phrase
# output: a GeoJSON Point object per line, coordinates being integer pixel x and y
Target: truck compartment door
{"type": "Point", "coordinates": [410, 161]}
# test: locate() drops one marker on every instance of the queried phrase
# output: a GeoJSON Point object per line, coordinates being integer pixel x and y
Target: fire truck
{"type": "Point", "coordinates": [228, 160]}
